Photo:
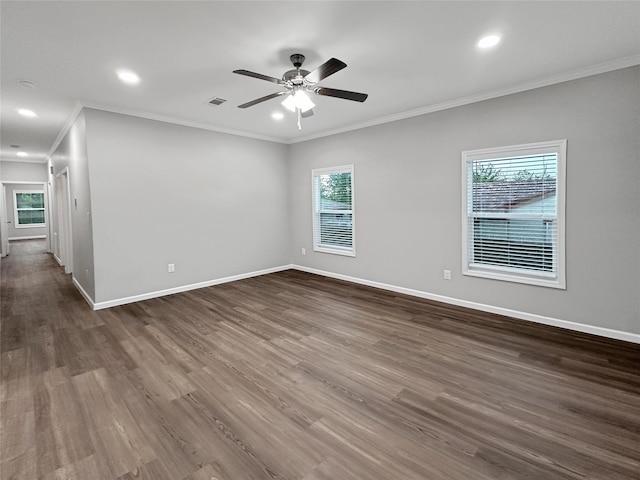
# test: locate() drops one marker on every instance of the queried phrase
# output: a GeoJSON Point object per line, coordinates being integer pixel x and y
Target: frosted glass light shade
{"type": "Point", "coordinates": [298, 100]}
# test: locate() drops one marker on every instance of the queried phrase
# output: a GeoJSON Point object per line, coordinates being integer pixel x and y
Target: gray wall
{"type": "Point", "coordinates": [213, 204]}
{"type": "Point", "coordinates": [23, 172]}
{"type": "Point", "coordinates": [71, 153]}
{"type": "Point", "coordinates": [408, 198]}
{"type": "Point", "coordinates": [218, 205]}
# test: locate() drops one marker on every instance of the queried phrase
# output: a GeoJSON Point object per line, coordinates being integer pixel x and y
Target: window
{"type": "Point", "coordinates": [29, 208]}
{"type": "Point", "coordinates": [513, 220]}
{"type": "Point", "coordinates": [333, 210]}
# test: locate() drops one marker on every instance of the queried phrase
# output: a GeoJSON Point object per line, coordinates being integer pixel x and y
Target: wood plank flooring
{"type": "Point", "coordinates": [295, 376]}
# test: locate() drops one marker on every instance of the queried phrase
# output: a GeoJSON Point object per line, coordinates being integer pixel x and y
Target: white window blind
{"type": "Point", "coordinates": [513, 223]}
{"type": "Point", "coordinates": [333, 215]}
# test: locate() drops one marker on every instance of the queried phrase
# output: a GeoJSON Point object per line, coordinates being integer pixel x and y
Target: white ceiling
{"type": "Point", "coordinates": [410, 57]}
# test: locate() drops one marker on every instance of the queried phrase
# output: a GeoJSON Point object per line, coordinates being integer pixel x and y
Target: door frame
{"type": "Point", "coordinates": [63, 217]}
{"type": "Point", "coordinates": [47, 206]}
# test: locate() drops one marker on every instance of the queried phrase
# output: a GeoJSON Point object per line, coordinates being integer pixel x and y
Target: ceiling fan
{"type": "Point", "coordinates": [298, 82]}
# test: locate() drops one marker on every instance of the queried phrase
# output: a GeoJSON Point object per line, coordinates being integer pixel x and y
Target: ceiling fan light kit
{"type": "Point", "coordinates": [298, 83]}
{"type": "Point", "coordinates": [298, 100]}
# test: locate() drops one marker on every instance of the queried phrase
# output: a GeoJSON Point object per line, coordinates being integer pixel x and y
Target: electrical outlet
{"type": "Point", "coordinates": [447, 274]}
{"type": "Point", "coordinates": [171, 267]}
{"type": "Point", "coordinates": [304, 251]}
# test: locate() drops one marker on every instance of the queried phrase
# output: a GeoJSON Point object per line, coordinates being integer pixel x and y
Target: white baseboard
{"type": "Point", "coordinates": [28, 237]}
{"type": "Point", "coordinates": [183, 288]}
{"type": "Point", "coordinates": [83, 292]}
{"type": "Point", "coordinates": [555, 322]}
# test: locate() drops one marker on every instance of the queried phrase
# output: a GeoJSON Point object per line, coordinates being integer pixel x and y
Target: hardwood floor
{"type": "Point", "coordinates": [295, 376]}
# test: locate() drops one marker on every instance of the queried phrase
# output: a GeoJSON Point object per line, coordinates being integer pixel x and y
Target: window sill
{"type": "Point", "coordinates": [335, 251]}
{"type": "Point", "coordinates": [33, 225]}
{"type": "Point", "coordinates": [515, 278]}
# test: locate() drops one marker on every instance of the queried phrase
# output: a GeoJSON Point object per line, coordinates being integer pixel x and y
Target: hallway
{"type": "Point", "coordinates": [31, 283]}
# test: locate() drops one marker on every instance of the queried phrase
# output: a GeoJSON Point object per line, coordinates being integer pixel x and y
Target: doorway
{"type": "Point", "coordinates": [62, 239]}
{"type": "Point", "coordinates": [24, 213]}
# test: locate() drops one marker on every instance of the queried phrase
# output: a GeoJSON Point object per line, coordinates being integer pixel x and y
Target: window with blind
{"type": "Point", "coordinates": [29, 208]}
{"type": "Point", "coordinates": [333, 215]}
{"type": "Point", "coordinates": [513, 220]}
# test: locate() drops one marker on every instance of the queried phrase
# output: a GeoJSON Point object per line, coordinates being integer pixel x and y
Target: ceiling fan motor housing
{"type": "Point", "coordinates": [296, 77]}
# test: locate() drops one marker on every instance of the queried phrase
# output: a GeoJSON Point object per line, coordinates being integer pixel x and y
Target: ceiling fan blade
{"type": "Point", "coordinates": [323, 71]}
{"type": "Point", "coordinates": [261, 99]}
{"type": "Point", "coordinates": [332, 92]}
{"type": "Point", "coordinates": [308, 113]}
{"type": "Point", "coordinates": [259, 75]}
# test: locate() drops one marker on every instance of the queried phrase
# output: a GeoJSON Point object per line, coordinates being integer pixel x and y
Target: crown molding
{"type": "Point", "coordinates": [178, 121]}
{"type": "Point", "coordinates": [25, 160]}
{"type": "Point", "coordinates": [68, 123]}
{"type": "Point", "coordinates": [597, 69]}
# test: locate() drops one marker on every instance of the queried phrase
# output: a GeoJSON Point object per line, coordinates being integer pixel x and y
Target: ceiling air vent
{"type": "Point", "coordinates": [216, 101]}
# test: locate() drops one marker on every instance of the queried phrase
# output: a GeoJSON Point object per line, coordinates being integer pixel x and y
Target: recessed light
{"type": "Point", "coordinates": [22, 154]}
{"type": "Point", "coordinates": [489, 41]}
{"type": "Point", "coordinates": [27, 113]}
{"type": "Point", "coordinates": [128, 77]}
{"type": "Point", "coordinates": [277, 115]}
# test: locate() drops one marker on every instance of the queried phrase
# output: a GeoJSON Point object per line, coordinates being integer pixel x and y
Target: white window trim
{"type": "Point", "coordinates": [15, 210]}
{"type": "Point", "coordinates": [318, 247]}
{"type": "Point", "coordinates": [500, 273]}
